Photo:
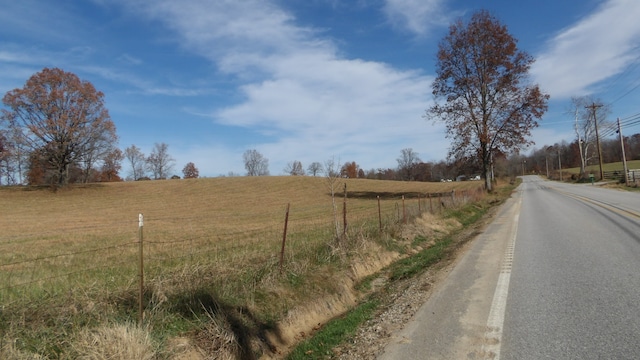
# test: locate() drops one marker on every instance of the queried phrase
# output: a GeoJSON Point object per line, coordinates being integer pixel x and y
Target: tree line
{"type": "Point", "coordinates": [56, 130]}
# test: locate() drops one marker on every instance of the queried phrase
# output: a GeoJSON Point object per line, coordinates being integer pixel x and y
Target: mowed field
{"type": "Point", "coordinates": [70, 259]}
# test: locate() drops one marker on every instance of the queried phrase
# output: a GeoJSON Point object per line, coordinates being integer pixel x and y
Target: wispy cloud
{"type": "Point", "coordinates": [141, 85]}
{"type": "Point", "coordinates": [297, 89]}
{"type": "Point", "coordinates": [592, 50]}
{"type": "Point", "coordinates": [417, 16]}
{"type": "Point", "coordinates": [129, 60]}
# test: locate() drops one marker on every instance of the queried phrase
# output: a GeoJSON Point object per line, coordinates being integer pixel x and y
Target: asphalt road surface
{"type": "Point", "coordinates": [555, 276]}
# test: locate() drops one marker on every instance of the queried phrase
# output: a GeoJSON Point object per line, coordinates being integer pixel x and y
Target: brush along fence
{"type": "Point", "coordinates": [97, 270]}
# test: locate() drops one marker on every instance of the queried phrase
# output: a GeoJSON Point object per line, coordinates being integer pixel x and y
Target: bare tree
{"type": "Point", "coordinates": [407, 162]}
{"type": "Point", "coordinates": [159, 162]}
{"type": "Point", "coordinates": [333, 177]}
{"type": "Point", "coordinates": [190, 171]}
{"type": "Point", "coordinates": [585, 127]}
{"type": "Point", "coordinates": [60, 116]}
{"type": "Point", "coordinates": [5, 159]}
{"type": "Point", "coordinates": [136, 160]}
{"type": "Point", "coordinates": [96, 149]}
{"type": "Point", "coordinates": [294, 168]}
{"type": "Point", "coordinates": [315, 168]}
{"type": "Point", "coordinates": [489, 106]}
{"type": "Point", "coordinates": [255, 163]}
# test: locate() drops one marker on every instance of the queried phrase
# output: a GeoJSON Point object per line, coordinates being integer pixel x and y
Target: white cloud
{"type": "Point", "coordinates": [417, 16]}
{"type": "Point", "coordinates": [309, 102]}
{"type": "Point", "coordinates": [129, 60]}
{"type": "Point", "coordinates": [592, 50]}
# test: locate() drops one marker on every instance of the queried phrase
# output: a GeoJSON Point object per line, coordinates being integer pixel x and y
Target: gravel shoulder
{"type": "Point", "coordinates": [401, 300]}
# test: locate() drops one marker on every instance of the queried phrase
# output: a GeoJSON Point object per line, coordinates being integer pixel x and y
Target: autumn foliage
{"type": "Point", "coordinates": [190, 171]}
{"type": "Point", "coordinates": [64, 124]}
{"type": "Point", "coordinates": [486, 103]}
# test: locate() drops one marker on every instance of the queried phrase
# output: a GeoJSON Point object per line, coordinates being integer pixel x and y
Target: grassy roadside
{"type": "Point", "coordinates": [213, 281]}
{"type": "Point", "coordinates": [341, 329]}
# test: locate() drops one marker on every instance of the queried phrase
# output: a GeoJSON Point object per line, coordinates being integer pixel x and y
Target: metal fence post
{"type": "Point", "coordinates": [141, 271]}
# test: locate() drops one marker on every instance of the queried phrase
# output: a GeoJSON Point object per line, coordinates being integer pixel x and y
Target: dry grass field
{"type": "Point", "coordinates": [69, 259]}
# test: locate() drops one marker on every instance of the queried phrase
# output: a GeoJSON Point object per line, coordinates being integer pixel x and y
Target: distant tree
{"type": "Point", "coordinates": [294, 168]}
{"type": "Point", "coordinates": [315, 168]}
{"type": "Point", "coordinates": [585, 127]}
{"type": "Point", "coordinates": [406, 163]}
{"type": "Point", "coordinates": [18, 161]}
{"type": "Point", "coordinates": [255, 163]}
{"type": "Point", "coordinates": [350, 170]}
{"type": "Point", "coordinates": [190, 171]}
{"type": "Point", "coordinates": [111, 166]}
{"type": "Point", "coordinates": [62, 116]}
{"type": "Point", "coordinates": [37, 168]}
{"type": "Point", "coordinates": [422, 171]}
{"type": "Point", "coordinates": [159, 162]}
{"type": "Point", "coordinates": [386, 174]}
{"type": "Point", "coordinates": [361, 174]}
{"type": "Point", "coordinates": [488, 104]}
{"type": "Point", "coordinates": [5, 159]}
{"type": "Point", "coordinates": [136, 160]}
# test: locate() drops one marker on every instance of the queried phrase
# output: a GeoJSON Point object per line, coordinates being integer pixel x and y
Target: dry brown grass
{"type": "Point", "coordinates": [68, 260]}
{"type": "Point", "coordinates": [119, 342]}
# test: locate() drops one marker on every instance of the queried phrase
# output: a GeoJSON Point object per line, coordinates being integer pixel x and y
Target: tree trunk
{"type": "Point", "coordinates": [487, 177]}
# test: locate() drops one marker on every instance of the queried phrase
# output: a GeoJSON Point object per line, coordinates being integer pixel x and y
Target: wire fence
{"type": "Point", "coordinates": [117, 255]}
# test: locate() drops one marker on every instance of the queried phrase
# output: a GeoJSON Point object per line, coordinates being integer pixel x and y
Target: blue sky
{"type": "Point", "coordinates": [306, 80]}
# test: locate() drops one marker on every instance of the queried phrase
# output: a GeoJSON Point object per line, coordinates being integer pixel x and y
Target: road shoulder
{"type": "Point", "coordinates": [446, 308]}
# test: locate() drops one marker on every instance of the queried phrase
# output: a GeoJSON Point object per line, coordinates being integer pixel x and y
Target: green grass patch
{"type": "Point", "coordinates": [413, 265]}
{"type": "Point", "coordinates": [337, 331]}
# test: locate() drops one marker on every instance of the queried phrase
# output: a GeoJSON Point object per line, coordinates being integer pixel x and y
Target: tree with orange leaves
{"type": "Point", "coordinates": [61, 118]}
{"type": "Point", "coordinates": [350, 170]}
{"type": "Point", "coordinates": [190, 171]}
{"type": "Point", "coordinates": [488, 105]}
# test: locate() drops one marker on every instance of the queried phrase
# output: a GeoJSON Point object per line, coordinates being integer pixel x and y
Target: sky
{"type": "Point", "coordinates": [307, 80]}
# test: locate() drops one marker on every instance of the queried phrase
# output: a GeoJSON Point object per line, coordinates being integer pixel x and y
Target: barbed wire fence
{"type": "Point", "coordinates": [148, 254]}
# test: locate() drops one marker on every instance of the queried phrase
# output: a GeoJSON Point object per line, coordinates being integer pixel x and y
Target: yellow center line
{"type": "Point", "coordinates": [612, 208]}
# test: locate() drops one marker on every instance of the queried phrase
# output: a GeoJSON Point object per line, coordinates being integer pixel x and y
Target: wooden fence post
{"type": "Point", "coordinates": [379, 214]}
{"type": "Point", "coordinates": [284, 236]}
{"type": "Point", "coordinates": [404, 212]}
{"type": "Point", "coordinates": [344, 212]}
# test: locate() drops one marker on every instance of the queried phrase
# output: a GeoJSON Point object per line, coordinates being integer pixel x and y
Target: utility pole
{"type": "Point", "coordinates": [593, 108]}
{"type": "Point", "coordinates": [546, 162]}
{"type": "Point", "coordinates": [624, 158]}
{"type": "Point", "coordinates": [559, 163]}
{"type": "Point", "coordinates": [582, 162]}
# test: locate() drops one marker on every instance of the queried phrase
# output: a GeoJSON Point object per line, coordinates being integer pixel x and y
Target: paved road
{"type": "Point", "coordinates": [555, 276]}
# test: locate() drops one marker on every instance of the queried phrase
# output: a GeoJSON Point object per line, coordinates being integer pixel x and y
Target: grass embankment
{"type": "Point", "coordinates": [595, 169]}
{"type": "Point", "coordinates": [341, 329]}
{"type": "Point", "coordinates": [69, 262]}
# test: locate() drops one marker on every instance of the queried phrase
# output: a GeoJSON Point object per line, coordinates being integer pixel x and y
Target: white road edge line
{"type": "Point", "coordinates": [495, 322]}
